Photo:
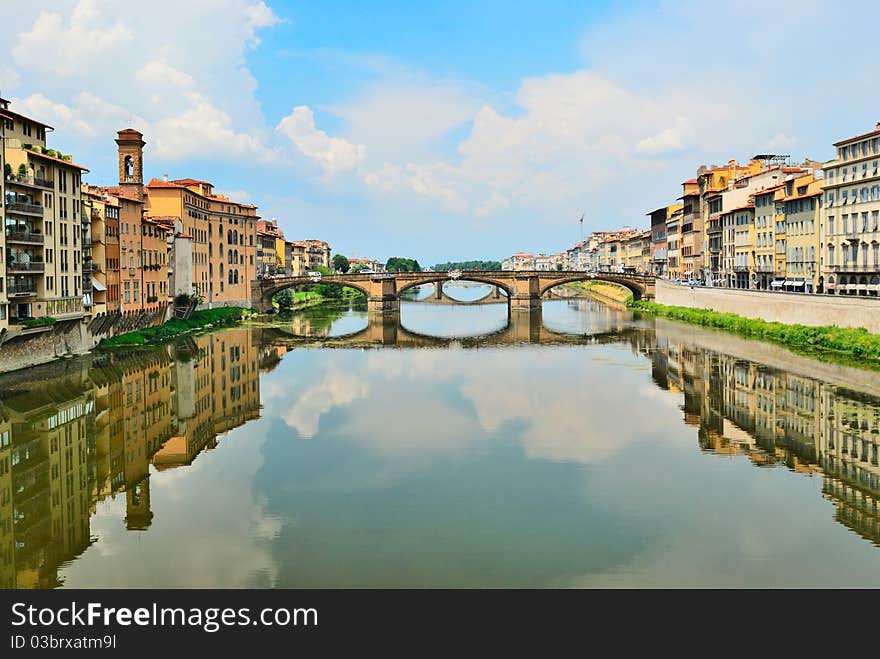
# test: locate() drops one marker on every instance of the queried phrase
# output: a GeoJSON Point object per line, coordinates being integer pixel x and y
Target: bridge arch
{"type": "Point", "coordinates": [302, 282]}
{"type": "Point", "coordinates": [444, 278]}
{"type": "Point", "coordinates": [636, 287]}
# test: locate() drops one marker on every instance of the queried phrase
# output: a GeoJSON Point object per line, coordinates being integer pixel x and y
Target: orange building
{"type": "Point", "coordinates": [224, 237]}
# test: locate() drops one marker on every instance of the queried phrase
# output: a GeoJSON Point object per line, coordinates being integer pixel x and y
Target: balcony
{"type": "Point", "coordinates": [91, 266]}
{"type": "Point", "coordinates": [32, 266]}
{"type": "Point", "coordinates": [713, 228]}
{"type": "Point", "coordinates": [28, 237]}
{"type": "Point", "coordinates": [86, 242]}
{"type": "Point", "coordinates": [20, 288]}
{"type": "Point", "coordinates": [31, 181]}
{"type": "Point", "coordinates": [25, 209]}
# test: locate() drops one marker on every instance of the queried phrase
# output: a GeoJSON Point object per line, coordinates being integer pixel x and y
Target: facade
{"type": "Point", "coordinates": [802, 207]}
{"type": "Point", "coordinates": [851, 217]}
{"type": "Point", "coordinates": [769, 269]}
{"type": "Point", "coordinates": [317, 254]}
{"type": "Point", "coordinates": [43, 225]}
{"type": "Point", "coordinates": [658, 240]}
{"type": "Point", "coordinates": [692, 242]}
{"type": "Point", "coordinates": [222, 236]}
{"type": "Point", "coordinates": [270, 239]}
{"type": "Point", "coordinates": [298, 265]}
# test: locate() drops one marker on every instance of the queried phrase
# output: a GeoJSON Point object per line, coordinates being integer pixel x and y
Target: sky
{"type": "Point", "coordinates": [440, 130]}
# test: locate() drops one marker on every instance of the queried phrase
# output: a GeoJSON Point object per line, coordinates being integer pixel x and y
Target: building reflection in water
{"type": "Point", "coordinates": [72, 440]}
{"type": "Point", "coordinates": [79, 432]}
{"type": "Point", "coordinates": [775, 417]}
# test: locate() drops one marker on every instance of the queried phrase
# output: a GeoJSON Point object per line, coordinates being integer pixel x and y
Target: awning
{"type": "Point", "coordinates": [98, 286]}
{"type": "Point", "coordinates": [796, 283]}
{"type": "Point", "coordinates": [777, 283]}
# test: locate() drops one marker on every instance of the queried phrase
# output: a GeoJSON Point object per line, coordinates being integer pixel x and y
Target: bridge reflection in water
{"type": "Point", "coordinates": [386, 329]}
{"type": "Point", "coordinates": [75, 435]}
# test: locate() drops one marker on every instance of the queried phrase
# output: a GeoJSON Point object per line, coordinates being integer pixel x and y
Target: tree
{"type": "Point", "coordinates": [285, 300]}
{"type": "Point", "coordinates": [398, 264]}
{"type": "Point", "coordinates": [340, 263]}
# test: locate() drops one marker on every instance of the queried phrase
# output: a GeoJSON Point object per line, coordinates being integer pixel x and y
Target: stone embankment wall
{"type": "Point", "coordinates": [792, 308]}
{"type": "Point", "coordinates": [64, 339]}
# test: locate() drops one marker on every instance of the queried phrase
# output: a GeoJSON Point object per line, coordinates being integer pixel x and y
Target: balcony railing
{"type": "Point", "coordinates": [30, 209]}
{"type": "Point", "coordinates": [33, 181]}
{"type": "Point", "coordinates": [32, 266]}
{"type": "Point", "coordinates": [25, 237]}
{"type": "Point", "coordinates": [86, 242]}
{"type": "Point", "coordinates": [91, 266]}
{"type": "Point", "coordinates": [22, 288]}
{"type": "Point", "coordinates": [854, 267]}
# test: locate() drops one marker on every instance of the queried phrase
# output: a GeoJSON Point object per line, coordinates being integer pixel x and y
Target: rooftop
{"type": "Point", "coordinates": [876, 131]}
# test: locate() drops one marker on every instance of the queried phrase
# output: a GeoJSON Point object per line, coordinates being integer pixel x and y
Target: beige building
{"type": "Point", "coordinates": [851, 216]}
{"type": "Point", "coordinates": [43, 226]}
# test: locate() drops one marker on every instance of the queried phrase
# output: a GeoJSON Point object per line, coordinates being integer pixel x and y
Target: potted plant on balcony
{"type": "Point", "coordinates": [7, 170]}
{"type": "Point", "coordinates": [22, 170]}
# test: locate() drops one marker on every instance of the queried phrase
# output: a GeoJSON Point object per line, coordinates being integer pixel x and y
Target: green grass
{"type": "Point", "coordinates": [176, 327]}
{"type": "Point", "coordinates": [45, 321]}
{"type": "Point", "coordinates": [856, 343]}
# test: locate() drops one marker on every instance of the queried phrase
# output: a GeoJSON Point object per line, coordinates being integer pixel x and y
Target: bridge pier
{"type": "Point", "coordinates": [526, 293]}
{"type": "Point", "coordinates": [383, 298]}
{"type": "Point", "coordinates": [438, 290]}
{"type": "Point", "coordinates": [496, 292]}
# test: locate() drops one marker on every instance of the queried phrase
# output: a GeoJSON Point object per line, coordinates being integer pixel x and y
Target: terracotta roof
{"type": "Point", "coordinates": [191, 181]}
{"type": "Point", "coordinates": [58, 160]}
{"type": "Point", "coordinates": [15, 114]}
{"type": "Point", "coordinates": [122, 193]}
{"type": "Point", "coordinates": [690, 180]}
{"type": "Point", "coordinates": [159, 183]}
{"type": "Point", "coordinates": [769, 190]}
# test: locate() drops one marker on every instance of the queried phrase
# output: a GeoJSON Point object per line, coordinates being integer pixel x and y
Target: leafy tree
{"type": "Point", "coordinates": [399, 264]}
{"type": "Point", "coordinates": [340, 263]}
{"type": "Point", "coordinates": [285, 300]}
{"type": "Point", "coordinates": [357, 267]}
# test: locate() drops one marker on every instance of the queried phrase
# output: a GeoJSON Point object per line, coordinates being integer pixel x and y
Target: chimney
{"type": "Point", "coordinates": [877, 127]}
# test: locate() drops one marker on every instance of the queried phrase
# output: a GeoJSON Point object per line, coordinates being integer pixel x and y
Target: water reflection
{"type": "Point", "coordinates": [569, 463]}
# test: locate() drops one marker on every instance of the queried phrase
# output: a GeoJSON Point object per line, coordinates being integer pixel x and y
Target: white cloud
{"type": "Point", "coordinates": [69, 48]}
{"type": "Point", "coordinates": [102, 67]}
{"type": "Point", "coordinates": [159, 72]}
{"type": "Point", "coordinates": [781, 141]}
{"type": "Point", "coordinates": [333, 154]}
{"type": "Point", "coordinates": [206, 130]}
{"type": "Point", "coordinates": [406, 119]}
{"type": "Point", "coordinates": [669, 139]}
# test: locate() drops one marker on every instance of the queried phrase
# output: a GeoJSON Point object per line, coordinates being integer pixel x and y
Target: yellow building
{"type": "Point", "coordinates": [802, 208]}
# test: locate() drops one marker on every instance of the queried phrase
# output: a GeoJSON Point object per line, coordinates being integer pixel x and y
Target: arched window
{"type": "Point", "coordinates": [230, 276]}
{"type": "Point", "coordinates": [236, 277]}
{"type": "Point", "coordinates": [229, 257]}
{"type": "Point", "coordinates": [235, 237]}
{"type": "Point", "coordinates": [235, 257]}
{"type": "Point", "coordinates": [229, 236]}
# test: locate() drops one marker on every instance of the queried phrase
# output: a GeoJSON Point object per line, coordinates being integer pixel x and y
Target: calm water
{"type": "Point", "coordinates": [453, 448]}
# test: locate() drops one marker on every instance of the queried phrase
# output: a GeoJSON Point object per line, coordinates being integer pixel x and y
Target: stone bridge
{"type": "Point", "coordinates": [523, 289]}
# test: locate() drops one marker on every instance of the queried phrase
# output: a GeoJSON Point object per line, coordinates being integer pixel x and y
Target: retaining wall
{"type": "Point", "coordinates": [793, 308]}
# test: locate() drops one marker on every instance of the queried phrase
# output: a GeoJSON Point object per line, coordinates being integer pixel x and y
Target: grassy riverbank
{"type": "Point", "coordinates": [862, 347]}
{"type": "Point", "coordinates": [204, 319]}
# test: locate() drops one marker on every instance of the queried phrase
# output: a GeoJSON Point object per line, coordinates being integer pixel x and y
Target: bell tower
{"type": "Point", "coordinates": [131, 161]}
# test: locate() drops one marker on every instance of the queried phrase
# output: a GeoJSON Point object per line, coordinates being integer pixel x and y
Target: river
{"type": "Point", "coordinates": [447, 448]}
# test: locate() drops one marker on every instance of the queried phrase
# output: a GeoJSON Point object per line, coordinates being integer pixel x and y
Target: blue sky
{"type": "Point", "coordinates": [440, 131]}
